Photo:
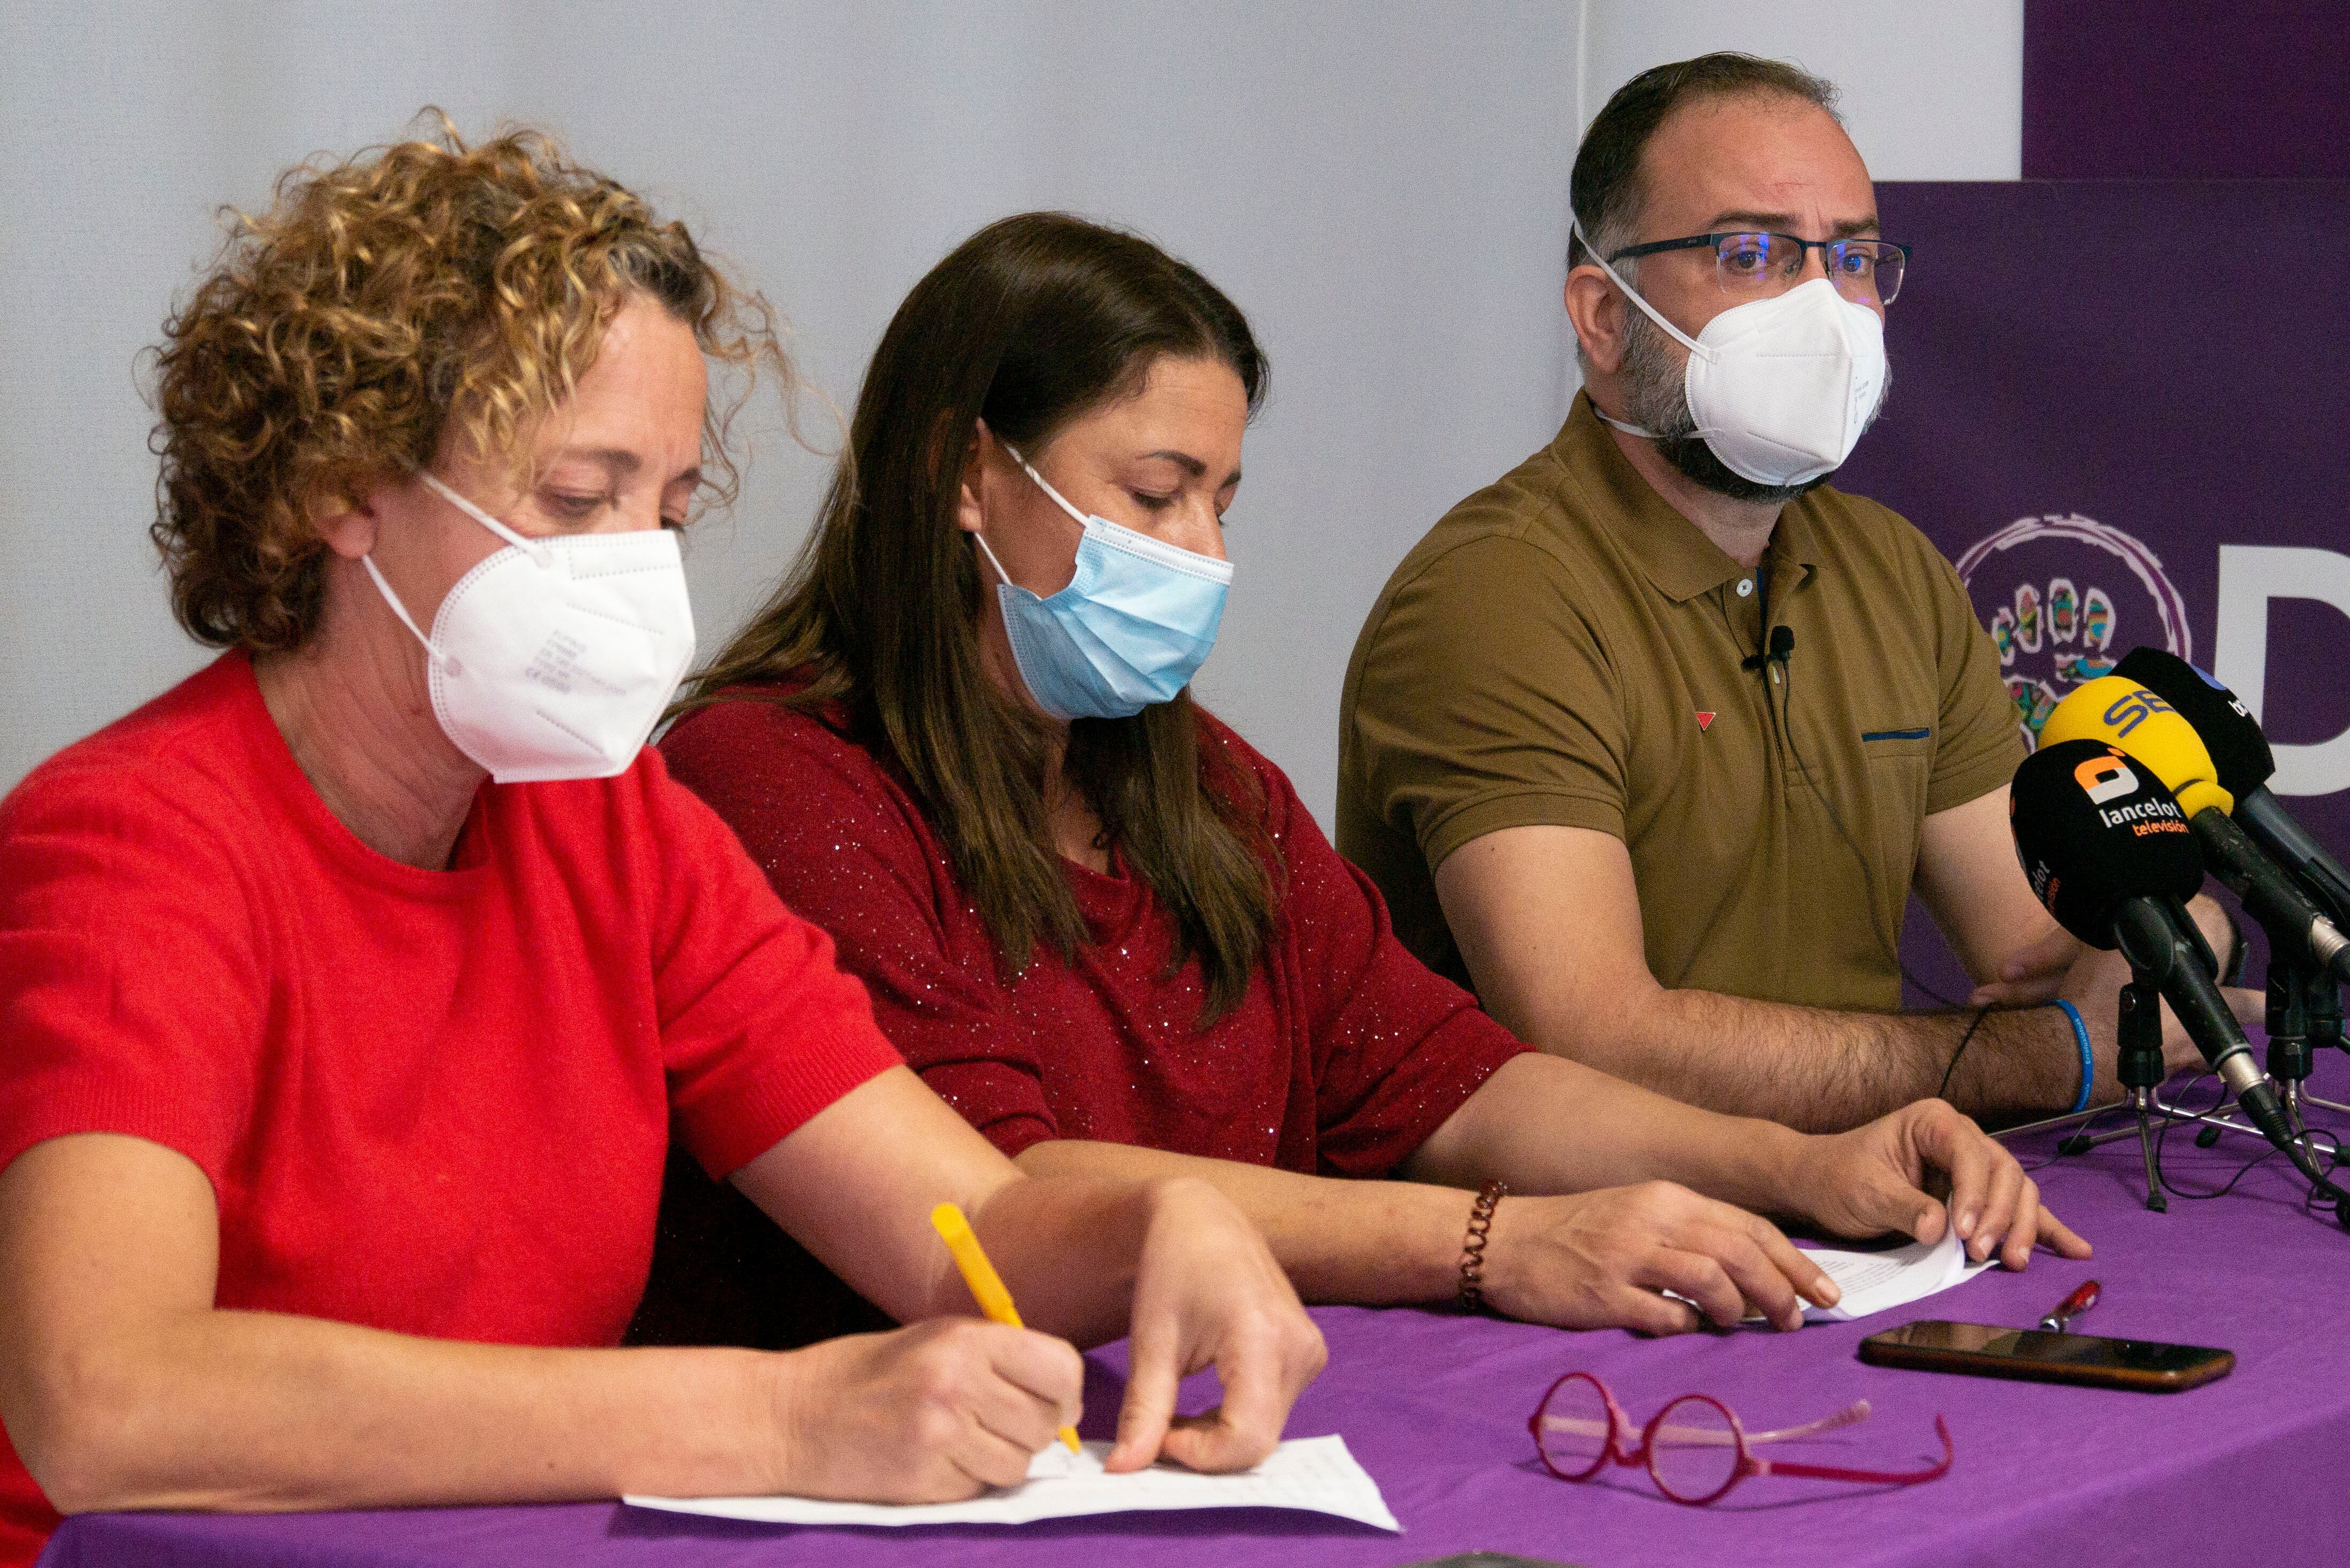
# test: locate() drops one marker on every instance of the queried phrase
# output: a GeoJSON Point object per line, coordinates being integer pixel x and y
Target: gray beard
{"type": "Point", "coordinates": [1656, 399]}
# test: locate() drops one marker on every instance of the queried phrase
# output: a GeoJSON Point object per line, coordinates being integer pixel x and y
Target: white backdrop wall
{"type": "Point", "coordinates": [1381, 186]}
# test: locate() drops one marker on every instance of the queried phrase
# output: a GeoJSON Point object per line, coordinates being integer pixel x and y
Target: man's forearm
{"type": "Point", "coordinates": [1370, 1244]}
{"type": "Point", "coordinates": [1822, 1071]}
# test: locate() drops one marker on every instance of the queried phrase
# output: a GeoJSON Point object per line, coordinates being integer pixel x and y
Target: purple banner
{"type": "Point", "coordinates": [2121, 408]}
{"type": "Point", "coordinates": [2176, 89]}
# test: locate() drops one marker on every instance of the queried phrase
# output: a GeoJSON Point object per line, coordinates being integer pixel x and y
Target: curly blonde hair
{"type": "Point", "coordinates": [382, 305]}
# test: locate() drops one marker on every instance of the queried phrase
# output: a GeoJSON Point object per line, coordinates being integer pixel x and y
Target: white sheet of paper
{"type": "Point", "coordinates": [1315, 1474]}
{"type": "Point", "coordinates": [1873, 1282]}
{"type": "Point", "coordinates": [1877, 1282]}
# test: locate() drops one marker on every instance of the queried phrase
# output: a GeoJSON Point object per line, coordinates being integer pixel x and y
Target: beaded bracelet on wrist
{"type": "Point", "coordinates": [1472, 1249]}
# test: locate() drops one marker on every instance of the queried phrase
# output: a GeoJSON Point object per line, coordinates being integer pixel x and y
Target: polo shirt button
{"type": "Point", "coordinates": [1745, 586]}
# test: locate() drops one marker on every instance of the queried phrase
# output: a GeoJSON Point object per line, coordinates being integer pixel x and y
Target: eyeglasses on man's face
{"type": "Point", "coordinates": [1867, 272]}
{"type": "Point", "coordinates": [1694, 1448]}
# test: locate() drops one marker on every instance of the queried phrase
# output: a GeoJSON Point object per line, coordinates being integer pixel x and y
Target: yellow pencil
{"type": "Point", "coordinates": [986, 1284]}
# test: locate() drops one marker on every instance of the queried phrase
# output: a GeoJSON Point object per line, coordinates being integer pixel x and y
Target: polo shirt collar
{"type": "Point", "coordinates": [1794, 553]}
{"type": "Point", "coordinates": [1672, 550]}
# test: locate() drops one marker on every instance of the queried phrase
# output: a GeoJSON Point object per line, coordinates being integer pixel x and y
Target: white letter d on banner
{"type": "Point", "coordinates": [2250, 576]}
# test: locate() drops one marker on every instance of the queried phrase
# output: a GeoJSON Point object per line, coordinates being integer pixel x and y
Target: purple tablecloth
{"type": "Point", "coordinates": [2246, 1470]}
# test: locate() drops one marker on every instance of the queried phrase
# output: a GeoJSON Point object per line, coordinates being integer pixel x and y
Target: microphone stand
{"type": "Point", "coordinates": [2304, 1017]}
{"type": "Point", "coordinates": [2298, 999]}
{"type": "Point", "coordinates": [2138, 1064]}
{"type": "Point", "coordinates": [2323, 1000]}
{"type": "Point", "coordinates": [2291, 989]}
{"type": "Point", "coordinates": [2291, 1056]}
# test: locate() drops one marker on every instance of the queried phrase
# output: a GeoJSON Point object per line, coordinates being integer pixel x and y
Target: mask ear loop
{"type": "Point", "coordinates": [447, 664]}
{"type": "Point", "coordinates": [538, 550]}
{"type": "Point", "coordinates": [1002, 576]}
{"type": "Point", "coordinates": [1691, 344]}
{"type": "Point", "coordinates": [1200, 566]}
{"type": "Point", "coordinates": [1082, 521]}
{"type": "Point", "coordinates": [1061, 500]}
{"type": "Point", "coordinates": [1653, 314]}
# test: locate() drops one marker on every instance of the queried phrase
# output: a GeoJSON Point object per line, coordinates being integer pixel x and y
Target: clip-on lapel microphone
{"type": "Point", "coordinates": [1782, 648]}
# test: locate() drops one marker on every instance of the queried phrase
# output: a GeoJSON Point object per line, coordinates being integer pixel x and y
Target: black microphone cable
{"type": "Point", "coordinates": [2085, 1137]}
{"type": "Point", "coordinates": [1781, 651]}
{"type": "Point", "coordinates": [2331, 1149]}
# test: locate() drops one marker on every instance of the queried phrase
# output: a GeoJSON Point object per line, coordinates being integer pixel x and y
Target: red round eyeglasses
{"type": "Point", "coordinates": [1695, 1448]}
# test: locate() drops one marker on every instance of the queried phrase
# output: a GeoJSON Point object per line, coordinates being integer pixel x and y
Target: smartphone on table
{"type": "Point", "coordinates": [1983, 1350]}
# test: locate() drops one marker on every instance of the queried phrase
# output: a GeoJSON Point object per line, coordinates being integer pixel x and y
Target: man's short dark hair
{"type": "Point", "coordinates": [1605, 191]}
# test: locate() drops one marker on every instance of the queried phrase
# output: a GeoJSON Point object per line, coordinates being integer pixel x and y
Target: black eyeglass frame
{"type": "Point", "coordinates": [1804, 249]}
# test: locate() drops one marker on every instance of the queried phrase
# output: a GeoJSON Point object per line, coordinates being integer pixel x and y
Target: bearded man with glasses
{"type": "Point", "coordinates": [1650, 741]}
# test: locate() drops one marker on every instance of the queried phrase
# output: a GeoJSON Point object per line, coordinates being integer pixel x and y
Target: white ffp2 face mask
{"type": "Point", "coordinates": [553, 659]}
{"type": "Point", "coordinates": [1780, 388]}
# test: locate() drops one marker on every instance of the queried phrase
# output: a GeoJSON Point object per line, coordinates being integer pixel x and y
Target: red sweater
{"type": "Point", "coordinates": [434, 1102]}
{"type": "Point", "coordinates": [1344, 1056]}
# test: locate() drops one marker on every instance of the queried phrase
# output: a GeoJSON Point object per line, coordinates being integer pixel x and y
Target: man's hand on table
{"type": "Point", "coordinates": [1875, 1180]}
{"type": "Point", "coordinates": [2060, 966]}
{"type": "Point", "coordinates": [2034, 973]}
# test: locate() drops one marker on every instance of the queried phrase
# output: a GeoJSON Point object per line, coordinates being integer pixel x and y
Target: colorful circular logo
{"type": "Point", "coordinates": [2064, 597]}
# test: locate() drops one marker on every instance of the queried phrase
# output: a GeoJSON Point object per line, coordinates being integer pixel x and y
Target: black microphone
{"type": "Point", "coordinates": [2096, 832]}
{"type": "Point", "coordinates": [1781, 649]}
{"type": "Point", "coordinates": [2108, 852]}
{"type": "Point", "coordinates": [2240, 754]}
{"type": "Point", "coordinates": [2239, 751]}
{"type": "Point", "coordinates": [2293, 922]}
{"type": "Point", "coordinates": [2263, 815]}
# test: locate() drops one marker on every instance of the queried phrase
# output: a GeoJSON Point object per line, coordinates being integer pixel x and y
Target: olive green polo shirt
{"type": "Point", "coordinates": [1564, 647]}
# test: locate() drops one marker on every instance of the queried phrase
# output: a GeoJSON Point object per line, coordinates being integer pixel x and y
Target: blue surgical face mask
{"type": "Point", "coordinates": [1131, 629]}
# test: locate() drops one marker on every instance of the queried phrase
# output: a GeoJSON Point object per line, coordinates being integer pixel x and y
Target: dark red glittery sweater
{"type": "Point", "coordinates": [1344, 1054]}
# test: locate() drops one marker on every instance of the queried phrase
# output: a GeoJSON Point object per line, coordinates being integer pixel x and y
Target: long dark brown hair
{"type": "Point", "coordinates": [1032, 322]}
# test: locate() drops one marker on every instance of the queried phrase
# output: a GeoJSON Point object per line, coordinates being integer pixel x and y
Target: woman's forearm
{"type": "Point", "coordinates": [124, 1387]}
{"type": "Point", "coordinates": [879, 1236]}
{"type": "Point", "coordinates": [1365, 1242]}
{"type": "Point", "coordinates": [328, 1415]}
{"type": "Point", "coordinates": [1548, 1125]}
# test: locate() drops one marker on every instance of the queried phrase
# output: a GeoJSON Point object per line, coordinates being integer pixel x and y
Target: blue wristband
{"type": "Point", "coordinates": [2088, 1060]}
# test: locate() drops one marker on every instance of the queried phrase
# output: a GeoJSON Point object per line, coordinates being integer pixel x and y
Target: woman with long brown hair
{"type": "Point", "coordinates": [1104, 928]}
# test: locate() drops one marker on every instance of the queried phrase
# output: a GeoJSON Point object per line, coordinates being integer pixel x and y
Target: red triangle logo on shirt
{"type": "Point", "coordinates": [1704, 720]}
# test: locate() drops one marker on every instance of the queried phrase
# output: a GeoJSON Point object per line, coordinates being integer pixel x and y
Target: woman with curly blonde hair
{"type": "Point", "coordinates": [352, 987]}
